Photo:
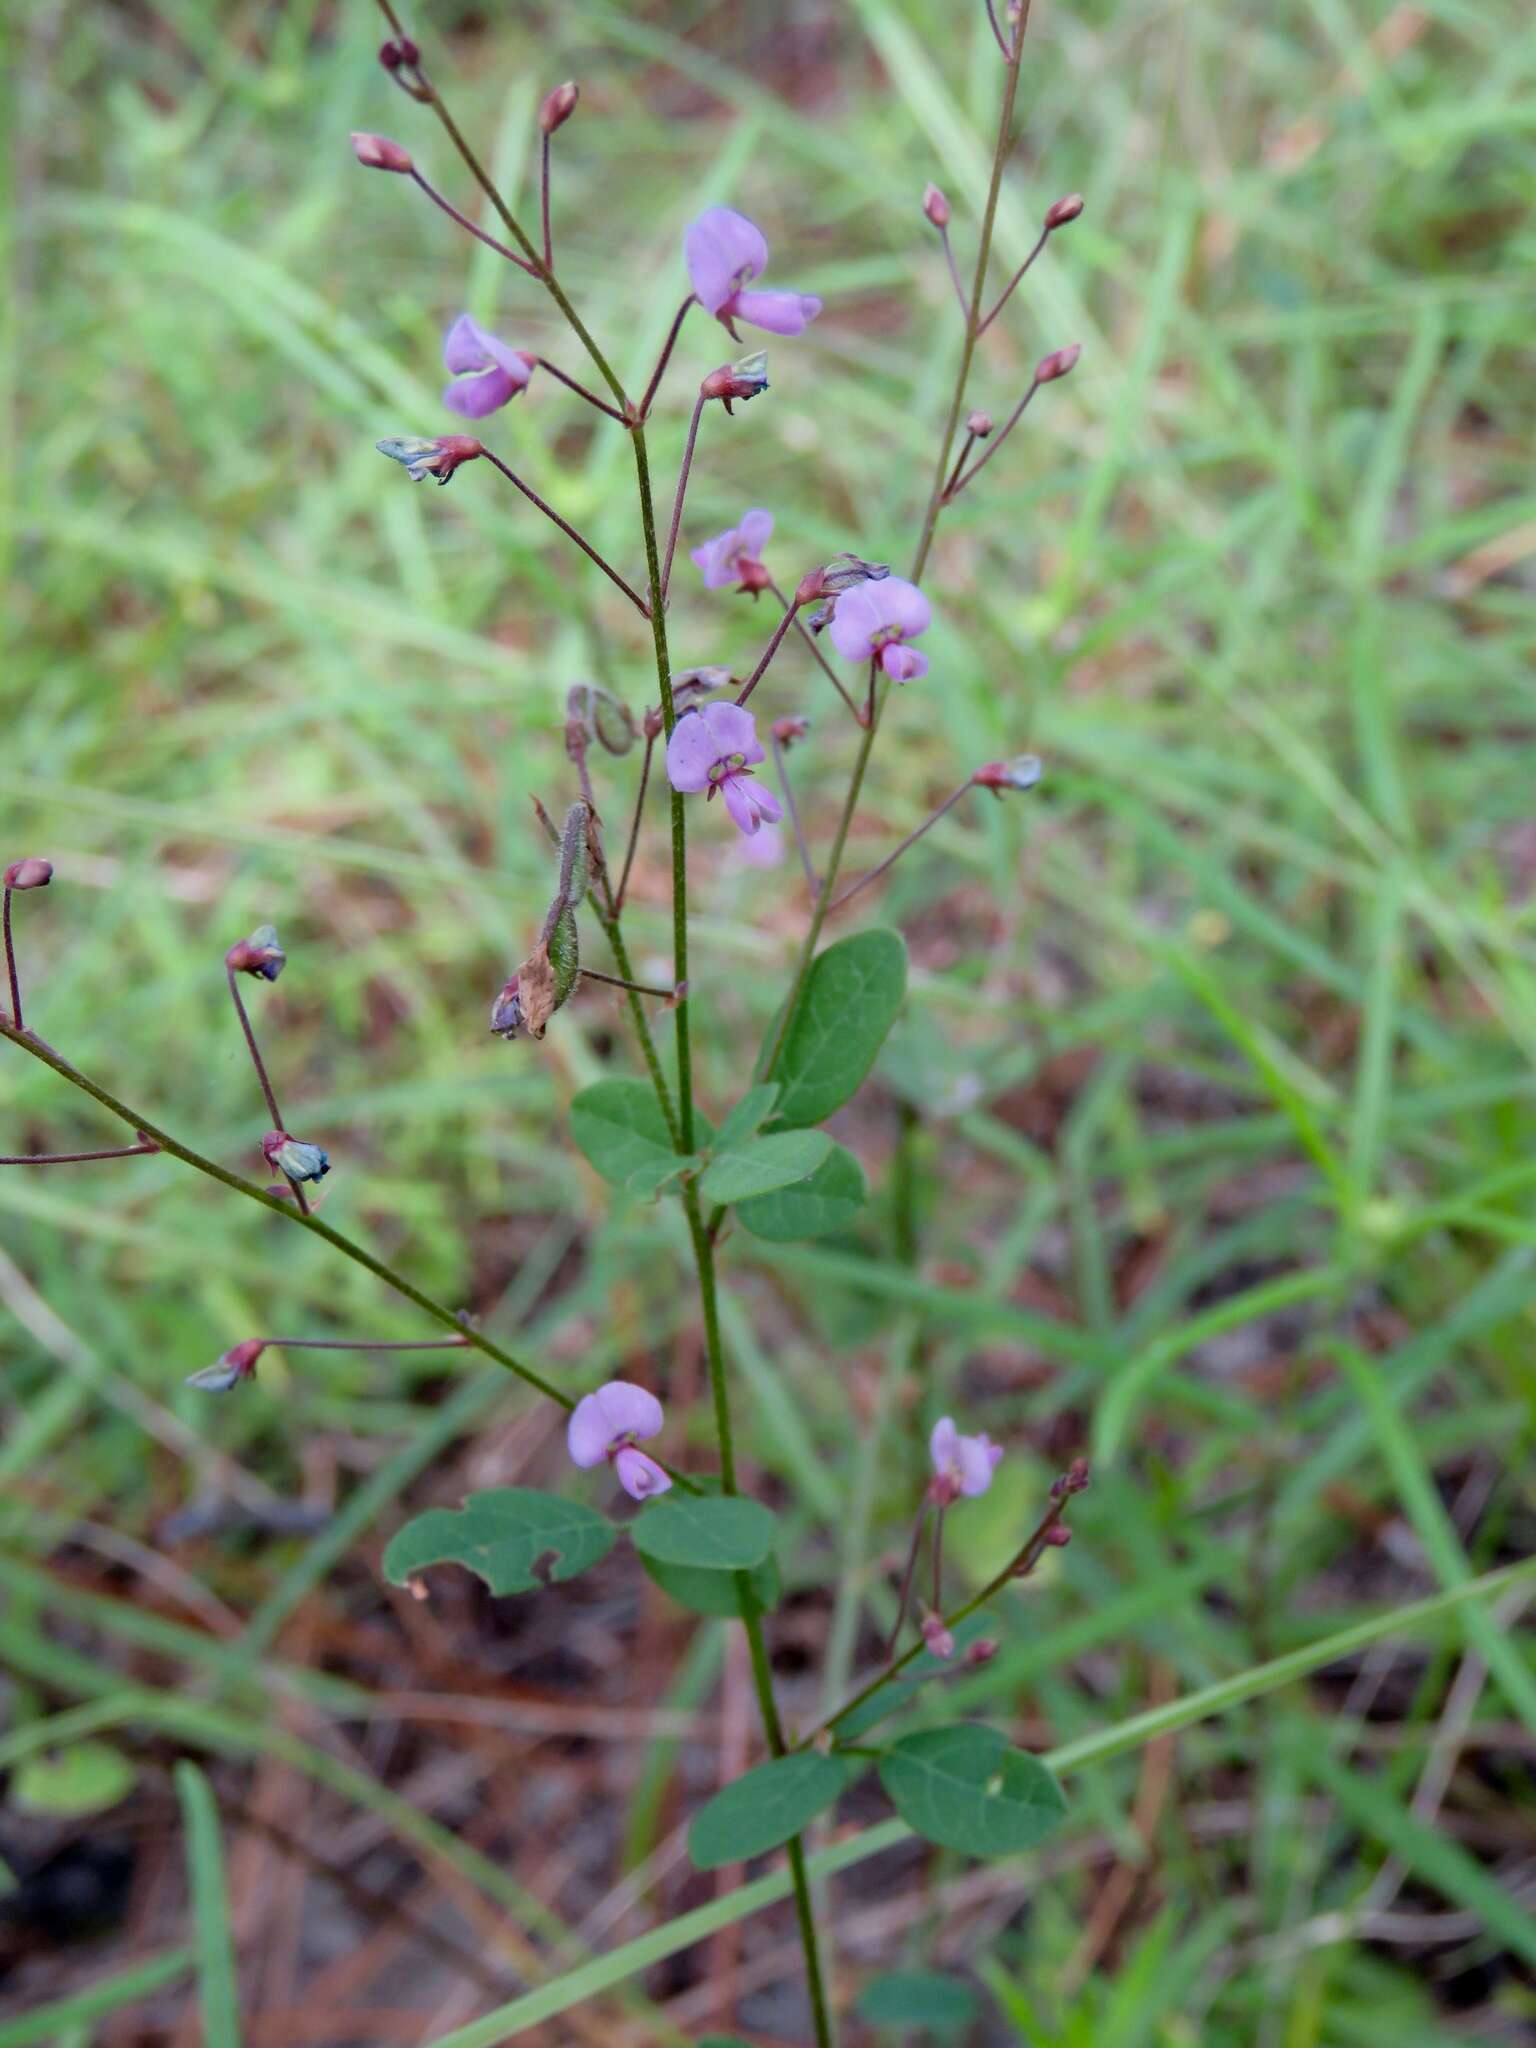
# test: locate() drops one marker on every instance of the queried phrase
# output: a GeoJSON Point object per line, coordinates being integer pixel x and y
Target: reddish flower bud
{"type": "Point", "coordinates": [937, 1638]}
{"type": "Point", "coordinates": [737, 380]}
{"type": "Point", "coordinates": [236, 1364]}
{"type": "Point", "coordinates": [936, 206]}
{"type": "Point", "coordinates": [653, 725]}
{"type": "Point", "coordinates": [29, 874]}
{"type": "Point", "coordinates": [982, 1651]}
{"type": "Point", "coordinates": [437, 458]}
{"type": "Point", "coordinates": [753, 577]}
{"type": "Point", "coordinates": [1022, 772]}
{"type": "Point", "coordinates": [1063, 211]}
{"type": "Point", "coordinates": [787, 730]}
{"type": "Point", "coordinates": [557, 107]}
{"type": "Point", "coordinates": [1058, 1537]}
{"type": "Point", "coordinates": [1058, 364]}
{"type": "Point", "coordinates": [1073, 1480]}
{"type": "Point", "coordinates": [378, 153]}
{"type": "Point", "coordinates": [979, 424]}
{"type": "Point", "coordinates": [259, 954]}
{"type": "Point", "coordinates": [397, 51]}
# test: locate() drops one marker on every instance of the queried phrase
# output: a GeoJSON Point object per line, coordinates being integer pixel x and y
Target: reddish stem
{"type": "Point", "coordinates": [570, 532]}
{"type": "Point", "coordinates": [666, 354]}
{"type": "Point", "coordinates": [469, 227]}
{"type": "Point", "coordinates": [10, 966]}
{"type": "Point", "coordinates": [682, 485]}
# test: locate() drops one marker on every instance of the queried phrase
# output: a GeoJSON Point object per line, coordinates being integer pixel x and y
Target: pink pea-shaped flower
{"type": "Point", "coordinates": [605, 1426]}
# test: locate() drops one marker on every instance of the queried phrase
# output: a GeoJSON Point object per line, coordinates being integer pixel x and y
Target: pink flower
{"type": "Point", "coordinates": [724, 252]}
{"type": "Point", "coordinates": [961, 1464]}
{"type": "Point", "coordinates": [605, 1425]}
{"type": "Point", "coordinates": [490, 374]}
{"type": "Point", "coordinates": [715, 748]}
{"type": "Point", "coordinates": [736, 556]}
{"type": "Point", "coordinates": [875, 619]}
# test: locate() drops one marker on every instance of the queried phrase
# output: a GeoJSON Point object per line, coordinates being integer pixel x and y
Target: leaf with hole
{"type": "Point", "coordinates": [762, 1165]}
{"type": "Point", "coordinates": [848, 1004]}
{"type": "Point", "coordinates": [831, 1197]}
{"type": "Point", "coordinates": [758, 1812]}
{"type": "Point", "coordinates": [513, 1537]}
{"type": "Point", "coordinates": [967, 1788]}
{"type": "Point", "coordinates": [719, 1533]}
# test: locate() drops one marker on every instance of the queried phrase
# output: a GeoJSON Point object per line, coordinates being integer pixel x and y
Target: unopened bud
{"type": "Point", "coordinates": [1073, 1480]}
{"type": "Point", "coordinates": [557, 107]}
{"type": "Point", "coordinates": [936, 1638]}
{"type": "Point", "coordinates": [738, 380]}
{"type": "Point", "coordinates": [936, 206]}
{"type": "Point", "coordinates": [787, 730]}
{"type": "Point", "coordinates": [291, 1156]}
{"type": "Point", "coordinates": [654, 723]}
{"type": "Point", "coordinates": [753, 577]}
{"type": "Point", "coordinates": [982, 1651]}
{"type": "Point", "coordinates": [1022, 772]}
{"type": "Point", "coordinates": [29, 874]}
{"type": "Point", "coordinates": [692, 685]}
{"type": "Point", "coordinates": [1058, 364]}
{"type": "Point", "coordinates": [227, 1371]}
{"type": "Point", "coordinates": [437, 458]}
{"type": "Point", "coordinates": [259, 954]}
{"type": "Point", "coordinates": [1063, 211]}
{"type": "Point", "coordinates": [397, 51]}
{"type": "Point", "coordinates": [378, 153]}
{"type": "Point", "coordinates": [1059, 1536]}
{"type": "Point", "coordinates": [843, 572]}
{"type": "Point", "coordinates": [979, 424]}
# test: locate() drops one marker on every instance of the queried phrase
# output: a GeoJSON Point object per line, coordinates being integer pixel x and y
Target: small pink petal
{"type": "Point", "coordinates": [691, 753]}
{"type": "Point", "coordinates": [976, 1462]}
{"type": "Point", "coordinates": [720, 249]}
{"type": "Point", "coordinates": [903, 664]}
{"type": "Point", "coordinates": [641, 1477]}
{"type": "Point", "coordinates": [900, 603]}
{"type": "Point", "coordinates": [777, 312]}
{"type": "Point", "coordinates": [716, 559]}
{"type": "Point", "coordinates": [855, 621]}
{"type": "Point", "coordinates": [474, 397]}
{"type": "Point", "coordinates": [943, 1439]}
{"type": "Point", "coordinates": [756, 529]}
{"type": "Point", "coordinates": [732, 730]}
{"type": "Point", "coordinates": [629, 1410]}
{"type": "Point", "coordinates": [587, 1435]}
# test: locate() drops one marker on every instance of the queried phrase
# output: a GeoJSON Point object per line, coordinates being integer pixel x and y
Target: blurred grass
{"type": "Point", "coordinates": [1225, 1036]}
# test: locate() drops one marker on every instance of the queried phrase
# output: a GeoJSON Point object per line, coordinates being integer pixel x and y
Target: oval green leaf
{"type": "Point", "coordinates": [831, 1197]}
{"type": "Point", "coordinates": [619, 1128]}
{"type": "Point", "coordinates": [716, 1593]}
{"type": "Point", "coordinates": [87, 1777]}
{"type": "Point", "coordinates": [721, 1533]}
{"type": "Point", "coordinates": [763, 1809]}
{"type": "Point", "coordinates": [514, 1538]}
{"type": "Point", "coordinates": [966, 1787]}
{"type": "Point", "coordinates": [848, 1004]}
{"type": "Point", "coordinates": [745, 1118]}
{"type": "Point", "coordinates": [918, 1998]}
{"type": "Point", "coordinates": [764, 1164]}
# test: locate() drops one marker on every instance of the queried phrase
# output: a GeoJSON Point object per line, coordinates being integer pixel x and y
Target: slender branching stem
{"type": "Point", "coordinates": [12, 978]}
{"type": "Point", "coordinates": [459, 1343]}
{"type": "Point", "coordinates": [997, 30]}
{"type": "Point", "coordinates": [960, 461]}
{"type": "Point", "coordinates": [263, 1077]}
{"type": "Point", "coordinates": [775, 643]}
{"type": "Point", "coordinates": [820, 659]}
{"type": "Point", "coordinates": [569, 531]}
{"type": "Point", "coordinates": [938, 1562]}
{"type": "Point", "coordinates": [954, 273]}
{"type": "Point", "coordinates": [677, 497]}
{"type": "Point", "coordinates": [781, 763]}
{"type": "Point", "coordinates": [1015, 281]}
{"type": "Point", "coordinates": [957, 484]}
{"type": "Point", "coordinates": [895, 854]}
{"type": "Point", "coordinates": [666, 355]}
{"type": "Point", "coordinates": [634, 827]}
{"type": "Point", "coordinates": [77, 1158]}
{"type": "Point", "coordinates": [581, 390]}
{"type": "Point", "coordinates": [468, 225]}
{"type": "Point", "coordinates": [909, 1573]}
{"type": "Point", "coordinates": [640, 988]}
{"type": "Point", "coordinates": [549, 245]}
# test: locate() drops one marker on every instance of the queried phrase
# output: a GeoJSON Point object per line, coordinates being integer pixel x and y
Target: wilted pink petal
{"type": "Point", "coordinates": [721, 560]}
{"type": "Point", "coordinates": [640, 1476]}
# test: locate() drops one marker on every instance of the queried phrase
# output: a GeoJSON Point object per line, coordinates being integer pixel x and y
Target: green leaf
{"type": "Point", "coordinates": [717, 1593]}
{"type": "Point", "coordinates": [964, 1786]}
{"type": "Point", "coordinates": [725, 1533]}
{"type": "Point", "coordinates": [619, 1128]}
{"type": "Point", "coordinates": [747, 1117]}
{"type": "Point", "coordinates": [208, 1888]}
{"type": "Point", "coordinates": [835, 1192]}
{"type": "Point", "coordinates": [721, 2041]}
{"type": "Point", "coordinates": [918, 1998]}
{"type": "Point", "coordinates": [87, 1777]}
{"type": "Point", "coordinates": [848, 1004]}
{"type": "Point", "coordinates": [513, 1537]}
{"type": "Point", "coordinates": [657, 1174]}
{"type": "Point", "coordinates": [764, 1164]}
{"type": "Point", "coordinates": [764, 1808]}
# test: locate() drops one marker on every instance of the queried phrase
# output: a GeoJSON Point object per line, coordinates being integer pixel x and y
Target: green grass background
{"type": "Point", "coordinates": [1222, 1041]}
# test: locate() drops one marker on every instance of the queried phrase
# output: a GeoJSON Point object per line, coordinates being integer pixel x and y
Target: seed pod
{"type": "Point", "coordinates": [601, 716]}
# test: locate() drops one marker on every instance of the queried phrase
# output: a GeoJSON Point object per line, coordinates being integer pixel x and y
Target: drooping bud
{"type": "Point", "coordinates": [1063, 211]}
{"type": "Point", "coordinates": [507, 1011]}
{"type": "Point", "coordinates": [654, 723]}
{"type": "Point", "coordinates": [226, 1373]}
{"type": "Point", "coordinates": [843, 572]}
{"type": "Point", "coordinates": [936, 1638]}
{"type": "Point", "coordinates": [397, 51]}
{"type": "Point", "coordinates": [378, 153]}
{"type": "Point", "coordinates": [600, 716]}
{"type": "Point", "coordinates": [982, 1651]}
{"type": "Point", "coordinates": [32, 873]}
{"type": "Point", "coordinates": [787, 730]}
{"type": "Point", "coordinates": [741, 380]}
{"type": "Point", "coordinates": [1022, 772]}
{"type": "Point", "coordinates": [546, 979]}
{"type": "Point", "coordinates": [1058, 1536]}
{"type": "Point", "coordinates": [1058, 364]}
{"type": "Point", "coordinates": [979, 424]}
{"type": "Point", "coordinates": [437, 458]}
{"type": "Point", "coordinates": [936, 206]}
{"type": "Point", "coordinates": [259, 954]}
{"type": "Point", "coordinates": [557, 107]}
{"type": "Point", "coordinates": [291, 1156]}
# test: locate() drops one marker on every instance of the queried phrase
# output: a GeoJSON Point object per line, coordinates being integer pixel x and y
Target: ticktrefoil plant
{"type": "Point", "coordinates": [768, 1167]}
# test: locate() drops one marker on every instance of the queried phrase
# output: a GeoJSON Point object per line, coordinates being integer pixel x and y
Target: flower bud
{"type": "Point", "coordinates": [690, 686]}
{"type": "Point", "coordinates": [226, 1373]}
{"type": "Point", "coordinates": [1059, 214]}
{"type": "Point", "coordinates": [753, 577]}
{"type": "Point", "coordinates": [1059, 1536]}
{"type": "Point", "coordinates": [787, 730]}
{"type": "Point", "coordinates": [259, 954]}
{"type": "Point", "coordinates": [982, 1651]}
{"type": "Point", "coordinates": [437, 458]}
{"type": "Point", "coordinates": [291, 1156]}
{"type": "Point", "coordinates": [598, 715]}
{"type": "Point", "coordinates": [979, 424]}
{"type": "Point", "coordinates": [1058, 364]}
{"type": "Point", "coordinates": [936, 206]}
{"type": "Point", "coordinates": [654, 723]}
{"type": "Point", "coordinates": [937, 1638]}
{"type": "Point", "coordinates": [29, 874]}
{"type": "Point", "coordinates": [397, 51]}
{"type": "Point", "coordinates": [843, 572]}
{"type": "Point", "coordinates": [741, 380]}
{"type": "Point", "coordinates": [557, 107]}
{"type": "Point", "coordinates": [1022, 772]}
{"type": "Point", "coordinates": [378, 153]}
